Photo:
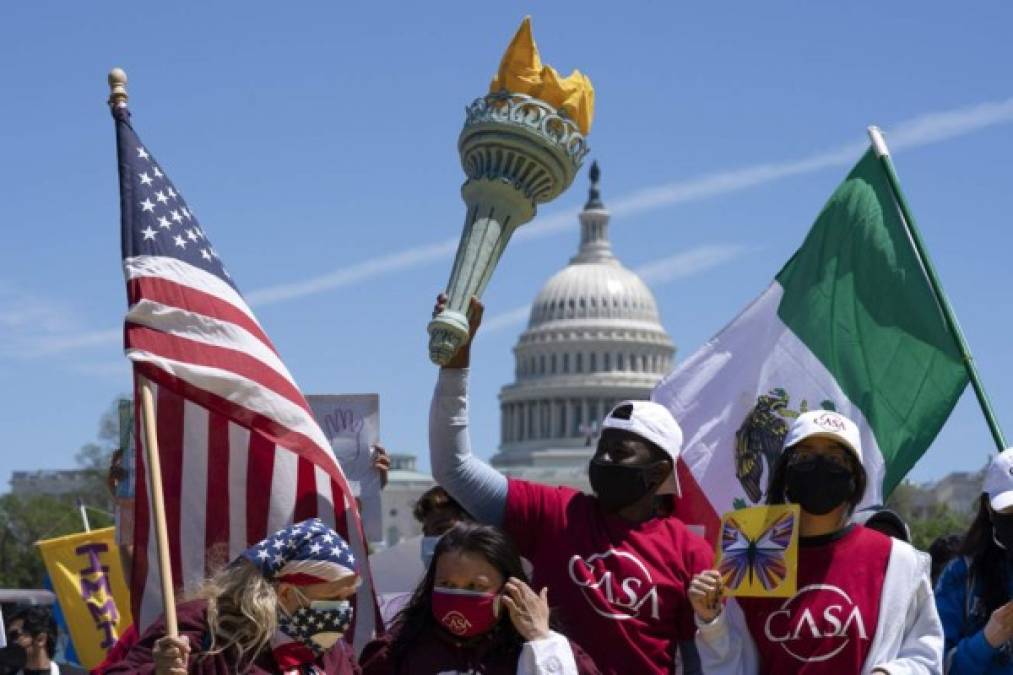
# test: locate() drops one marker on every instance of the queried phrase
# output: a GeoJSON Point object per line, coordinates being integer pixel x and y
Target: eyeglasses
{"type": "Point", "coordinates": [14, 633]}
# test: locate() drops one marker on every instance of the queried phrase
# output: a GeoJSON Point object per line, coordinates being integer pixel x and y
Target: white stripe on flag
{"type": "Point", "coordinates": [364, 597]}
{"type": "Point", "coordinates": [239, 452]}
{"type": "Point", "coordinates": [185, 274]}
{"type": "Point", "coordinates": [713, 392]}
{"type": "Point", "coordinates": [193, 496]}
{"type": "Point", "coordinates": [243, 392]}
{"type": "Point", "coordinates": [283, 487]}
{"type": "Point", "coordinates": [205, 330]}
{"type": "Point", "coordinates": [325, 507]}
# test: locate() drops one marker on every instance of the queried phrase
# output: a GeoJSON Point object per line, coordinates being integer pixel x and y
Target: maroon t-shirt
{"type": "Point", "coordinates": [828, 625]}
{"type": "Point", "coordinates": [618, 588]}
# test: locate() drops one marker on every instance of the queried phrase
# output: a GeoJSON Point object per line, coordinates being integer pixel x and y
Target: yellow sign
{"type": "Point", "coordinates": [758, 551]}
{"type": "Point", "coordinates": [89, 583]}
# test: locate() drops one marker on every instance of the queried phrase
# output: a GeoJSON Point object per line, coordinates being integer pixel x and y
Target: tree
{"type": "Point", "coordinates": [26, 519]}
{"type": "Point", "coordinates": [94, 457]}
{"type": "Point", "coordinates": [927, 518]}
{"type": "Point", "coordinates": [942, 521]}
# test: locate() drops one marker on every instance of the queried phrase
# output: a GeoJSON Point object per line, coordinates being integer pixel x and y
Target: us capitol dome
{"type": "Point", "coordinates": [593, 338]}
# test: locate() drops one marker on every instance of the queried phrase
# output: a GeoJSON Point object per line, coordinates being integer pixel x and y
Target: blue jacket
{"type": "Point", "coordinates": [963, 613]}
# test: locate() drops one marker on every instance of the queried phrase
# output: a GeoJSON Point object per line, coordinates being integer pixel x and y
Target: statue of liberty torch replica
{"type": "Point", "coordinates": [521, 146]}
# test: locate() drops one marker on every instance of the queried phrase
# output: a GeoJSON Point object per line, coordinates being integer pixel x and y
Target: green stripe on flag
{"type": "Point", "coordinates": [857, 296]}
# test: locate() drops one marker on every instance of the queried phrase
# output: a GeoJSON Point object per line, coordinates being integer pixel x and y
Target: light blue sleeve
{"type": "Point", "coordinates": [480, 489]}
{"type": "Point", "coordinates": [725, 646]}
{"type": "Point", "coordinates": [972, 653]}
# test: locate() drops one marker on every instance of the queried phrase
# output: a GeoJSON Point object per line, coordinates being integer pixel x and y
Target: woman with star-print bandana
{"type": "Point", "coordinates": [280, 607]}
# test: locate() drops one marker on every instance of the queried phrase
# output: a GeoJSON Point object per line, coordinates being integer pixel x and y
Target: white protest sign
{"type": "Point", "coordinates": [351, 423]}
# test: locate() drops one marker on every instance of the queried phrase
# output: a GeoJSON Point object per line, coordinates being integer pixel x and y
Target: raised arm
{"type": "Point", "coordinates": [480, 489]}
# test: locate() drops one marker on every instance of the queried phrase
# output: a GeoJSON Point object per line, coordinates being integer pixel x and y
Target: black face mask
{"type": "Point", "coordinates": [1002, 531]}
{"type": "Point", "coordinates": [818, 485]}
{"type": "Point", "coordinates": [12, 659]}
{"type": "Point", "coordinates": [619, 485]}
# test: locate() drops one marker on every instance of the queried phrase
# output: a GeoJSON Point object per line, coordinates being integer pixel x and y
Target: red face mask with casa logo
{"type": "Point", "coordinates": [465, 613]}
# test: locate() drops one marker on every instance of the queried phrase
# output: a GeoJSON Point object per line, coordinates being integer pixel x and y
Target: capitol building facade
{"type": "Point", "coordinates": [593, 338]}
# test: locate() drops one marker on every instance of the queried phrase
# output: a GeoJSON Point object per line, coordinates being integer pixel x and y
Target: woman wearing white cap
{"type": "Point", "coordinates": [974, 593]}
{"type": "Point", "coordinates": [864, 601]}
{"type": "Point", "coordinates": [616, 563]}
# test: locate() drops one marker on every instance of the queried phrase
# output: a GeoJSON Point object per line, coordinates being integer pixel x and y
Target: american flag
{"type": "Point", "coordinates": [241, 454]}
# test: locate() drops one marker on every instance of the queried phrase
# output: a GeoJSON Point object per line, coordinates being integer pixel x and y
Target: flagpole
{"type": "Point", "coordinates": [158, 506]}
{"type": "Point", "coordinates": [883, 153]}
{"type": "Point", "coordinates": [84, 515]}
{"type": "Point", "coordinates": [118, 99]}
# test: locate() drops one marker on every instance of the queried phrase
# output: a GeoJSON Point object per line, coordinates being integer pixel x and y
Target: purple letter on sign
{"type": "Point", "coordinates": [103, 609]}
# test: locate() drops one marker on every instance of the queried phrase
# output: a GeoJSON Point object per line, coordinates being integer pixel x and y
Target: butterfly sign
{"type": "Point", "coordinates": [758, 551]}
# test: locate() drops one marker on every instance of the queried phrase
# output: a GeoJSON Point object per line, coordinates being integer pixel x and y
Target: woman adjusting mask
{"type": "Point", "coordinates": [474, 612]}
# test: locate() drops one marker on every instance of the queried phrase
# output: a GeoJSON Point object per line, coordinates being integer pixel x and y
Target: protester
{"type": "Point", "coordinates": [33, 629]}
{"type": "Point", "coordinates": [436, 512]}
{"type": "Point", "coordinates": [618, 568]}
{"type": "Point", "coordinates": [883, 520]}
{"type": "Point", "coordinates": [975, 590]}
{"type": "Point", "coordinates": [942, 550]}
{"type": "Point", "coordinates": [282, 606]}
{"type": "Point", "coordinates": [864, 603]}
{"type": "Point", "coordinates": [455, 621]}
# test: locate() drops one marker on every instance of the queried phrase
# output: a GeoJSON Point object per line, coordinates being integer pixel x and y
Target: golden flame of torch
{"type": "Point", "coordinates": [521, 72]}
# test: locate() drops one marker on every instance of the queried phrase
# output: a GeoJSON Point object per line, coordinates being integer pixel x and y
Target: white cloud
{"type": "Point", "coordinates": [656, 272]}
{"type": "Point", "coordinates": [688, 263]}
{"type": "Point", "coordinates": [32, 327]}
{"type": "Point", "coordinates": [918, 131]}
{"type": "Point", "coordinates": [345, 276]}
{"type": "Point", "coordinates": [115, 369]}
{"type": "Point", "coordinates": [506, 319]}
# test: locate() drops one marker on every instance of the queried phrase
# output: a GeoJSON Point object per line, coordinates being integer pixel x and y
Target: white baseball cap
{"type": "Point", "coordinates": [653, 422]}
{"type": "Point", "coordinates": [826, 424]}
{"type": "Point", "coordinates": [999, 480]}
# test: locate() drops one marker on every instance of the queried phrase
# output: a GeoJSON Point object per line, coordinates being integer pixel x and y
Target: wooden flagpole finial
{"type": "Point", "coordinates": [117, 88]}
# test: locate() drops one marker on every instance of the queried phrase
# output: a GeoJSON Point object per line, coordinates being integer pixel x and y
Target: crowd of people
{"type": "Point", "coordinates": [525, 578]}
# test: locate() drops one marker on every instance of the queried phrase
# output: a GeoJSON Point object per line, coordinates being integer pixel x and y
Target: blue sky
{"type": "Point", "coordinates": [317, 144]}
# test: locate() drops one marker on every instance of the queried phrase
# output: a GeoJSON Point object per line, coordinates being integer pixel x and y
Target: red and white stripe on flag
{"type": "Point", "coordinates": [240, 452]}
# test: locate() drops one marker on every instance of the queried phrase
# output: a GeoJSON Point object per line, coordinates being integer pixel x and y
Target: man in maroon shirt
{"type": "Point", "coordinates": [616, 563]}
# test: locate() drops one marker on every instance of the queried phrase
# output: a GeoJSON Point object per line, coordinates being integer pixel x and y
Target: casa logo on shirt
{"type": "Point", "coordinates": [616, 584]}
{"type": "Point", "coordinates": [816, 623]}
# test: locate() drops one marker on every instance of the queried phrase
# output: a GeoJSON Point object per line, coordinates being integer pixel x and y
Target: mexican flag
{"type": "Point", "coordinates": [851, 324]}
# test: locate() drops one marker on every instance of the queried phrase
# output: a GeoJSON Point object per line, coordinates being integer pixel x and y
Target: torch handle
{"type": "Point", "coordinates": [495, 209]}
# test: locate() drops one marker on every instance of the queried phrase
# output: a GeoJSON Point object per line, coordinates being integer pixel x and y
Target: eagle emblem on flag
{"type": "Point", "coordinates": [760, 438]}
